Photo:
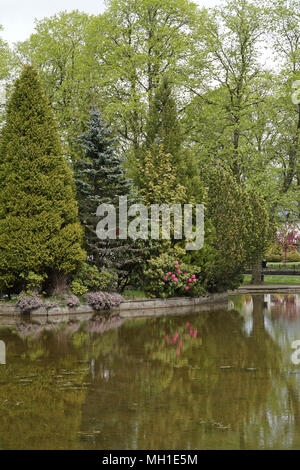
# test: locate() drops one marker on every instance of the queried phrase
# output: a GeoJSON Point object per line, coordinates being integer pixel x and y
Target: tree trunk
{"type": "Point", "coordinates": [58, 284]}
{"type": "Point", "coordinates": [258, 315]}
{"type": "Point", "coordinates": [256, 274]}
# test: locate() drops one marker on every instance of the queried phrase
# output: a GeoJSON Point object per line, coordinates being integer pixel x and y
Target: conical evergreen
{"type": "Point", "coordinates": [164, 134]}
{"type": "Point", "coordinates": [39, 227]}
{"type": "Point", "coordinates": [99, 175]}
{"type": "Point", "coordinates": [163, 127]}
{"type": "Point", "coordinates": [100, 178]}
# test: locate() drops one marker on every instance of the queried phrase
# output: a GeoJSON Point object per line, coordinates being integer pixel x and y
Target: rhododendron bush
{"type": "Point", "coordinates": [103, 300]}
{"type": "Point", "coordinates": [89, 279]}
{"type": "Point", "coordinates": [169, 277]}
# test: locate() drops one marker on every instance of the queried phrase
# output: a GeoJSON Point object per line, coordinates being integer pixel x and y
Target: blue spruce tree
{"type": "Point", "coordinates": [100, 178]}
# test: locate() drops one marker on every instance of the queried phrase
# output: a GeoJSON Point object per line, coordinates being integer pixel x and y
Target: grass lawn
{"type": "Point", "coordinates": [134, 294]}
{"type": "Point", "coordinates": [293, 280]}
{"type": "Point", "coordinates": [283, 265]}
{"type": "Point", "coordinates": [5, 300]}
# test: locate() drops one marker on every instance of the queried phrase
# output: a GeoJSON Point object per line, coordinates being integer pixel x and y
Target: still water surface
{"type": "Point", "coordinates": [216, 380]}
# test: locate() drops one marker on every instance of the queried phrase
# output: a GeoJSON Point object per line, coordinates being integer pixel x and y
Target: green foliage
{"type": "Point", "coordinates": [273, 257]}
{"type": "Point", "coordinates": [159, 280]}
{"type": "Point", "coordinates": [159, 179]}
{"type": "Point", "coordinates": [165, 170]}
{"type": "Point", "coordinates": [233, 89]}
{"type": "Point", "coordinates": [162, 127]}
{"type": "Point", "coordinates": [33, 281]}
{"type": "Point", "coordinates": [236, 226]}
{"type": "Point", "coordinates": [78, 288]}
{"type": "Point", "coordinates": [131, 46]}
{"type": "Point", "coordinates": [183, 89]}
{"type": "Point", "coordinates": [258, 227]}
{"type": "Point", "coordinates": [6, 68]}
{"type": "Point", "coordinates": [58, 50]}
{"type": "Point", "coordinates": [89, 279]}
{"type": "Point", "coordinates": [293, 256]}
{"type": "Point", "coordinates": [225, 209]}
{"type": "Point", "coordinates": [200, 72]}
{"type": "Point", "coordinates": [100, 178]}
{"type": "Point", "coordinates": [39, 228]}
{"type": "Point", "coordinates": [274, 253]}
{"type": "Point", "coordinates": [134, 294]}
{"type": "Point", "coordinates": [4, 58]}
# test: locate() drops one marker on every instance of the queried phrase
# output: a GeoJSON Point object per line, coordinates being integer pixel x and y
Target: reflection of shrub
{"type": "Point", "coordinates": [89, 279]}
{"type": "Point", "coordinates": [80, 339]}
{"type": "Point", "coordinates": [166, 277]}
{"type": "Point", "coordinates": [103, 300]}
{"type": "Point", "coordinates": [27, 303]}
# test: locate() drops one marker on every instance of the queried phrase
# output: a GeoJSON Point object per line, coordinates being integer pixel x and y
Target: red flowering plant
{"type": "Point", "coordinates": [289, 239]}
{"type": "Point", "coordinates": [180, 340]}
{"type": "Point", "coordinates": [168, 277]}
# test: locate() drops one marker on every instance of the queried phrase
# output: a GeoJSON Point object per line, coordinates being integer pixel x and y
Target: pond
{"type": "Point", "coordinates": [214, 380]}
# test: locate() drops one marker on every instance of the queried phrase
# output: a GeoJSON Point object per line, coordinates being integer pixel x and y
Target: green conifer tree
{"type": "Point", "coordinates": [236, 231]}
{"type": "Point", "coordinates": [100, 179]}
{"type": "Point", "coordinates": [39, 227]}
{"type": "Point", "coordinates": [164, 134]}
{"type": "Point", "coordinates": [163, 127]}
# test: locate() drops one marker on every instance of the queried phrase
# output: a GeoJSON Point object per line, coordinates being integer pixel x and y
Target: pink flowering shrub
{"type": "Point", "coordinates": [169, 277]}
{"type": "Point", "coordinates": [103, 300]}
{"type": "Point", "coordinates": [72, 301]}
{"type": "Point", "coordinates": [48, 305]}
{"type": "Point", "coordinates": [27, 303]}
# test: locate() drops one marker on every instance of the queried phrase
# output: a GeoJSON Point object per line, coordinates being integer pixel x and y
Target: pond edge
{"type": "Point", "coordinates": [128, 308]}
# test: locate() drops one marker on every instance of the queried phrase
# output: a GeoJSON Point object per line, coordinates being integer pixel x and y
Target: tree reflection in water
{"type": "Point", "coordinates": [185, 382]}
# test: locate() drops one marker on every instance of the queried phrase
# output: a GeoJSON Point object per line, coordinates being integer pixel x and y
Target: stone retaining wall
{"type": "Point", "coordinates": [11, 309]}
{"type": "Point", "coordinates": [172, 306]}
{"type": "Point", "coordinates": [266, 289]}
{"type": "Point", "coordinates": [131, 308]}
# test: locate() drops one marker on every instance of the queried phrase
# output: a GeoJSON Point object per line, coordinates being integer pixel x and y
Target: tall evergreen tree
{"type": "Point", "coordinates": [236, 230]}
{"type": "Point", "coordinates": [39, 227]}
{"type": "Point", "coordinates": [164, 134]}
{"type": "Point", "coordinates": [100, 178]}
{"type": "Point", "coordinates": [163, 127]}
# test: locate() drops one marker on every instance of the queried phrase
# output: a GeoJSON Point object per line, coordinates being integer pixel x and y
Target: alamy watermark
{"type": "Point", "coordinates": [296, 92]}
{"type": "Point", "coordinates": [140, 222]}
{"type": "Point", "coordinates": [2, 352]}
{"type": "Point", "coordinates": [295, 357]}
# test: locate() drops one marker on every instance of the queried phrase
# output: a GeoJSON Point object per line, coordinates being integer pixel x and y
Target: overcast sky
{"type": "Point", "coordinates": [17, 16]}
